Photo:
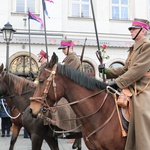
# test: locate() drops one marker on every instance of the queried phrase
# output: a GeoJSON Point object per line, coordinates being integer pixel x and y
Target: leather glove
{"type": "Point", "coordinates": [101, 68]}
{"type": "Point", "coordinates": [112, 84]}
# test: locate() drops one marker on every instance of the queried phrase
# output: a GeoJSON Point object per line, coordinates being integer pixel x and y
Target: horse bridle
{"type": "Point", "coordinates": [50, 80]}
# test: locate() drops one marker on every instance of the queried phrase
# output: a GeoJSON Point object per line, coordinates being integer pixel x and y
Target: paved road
{"type": "Point", "coordinates": [25, 144]}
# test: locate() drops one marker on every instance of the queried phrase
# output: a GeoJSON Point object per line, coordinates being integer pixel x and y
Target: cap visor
{"type": "Point", "coordinates": [134, 27]}
{"type": "Point", "coordinates": [62, 47]}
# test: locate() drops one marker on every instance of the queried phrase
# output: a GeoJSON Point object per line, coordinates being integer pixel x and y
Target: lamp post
{"type": "Point", "coordinates": [8, 32]}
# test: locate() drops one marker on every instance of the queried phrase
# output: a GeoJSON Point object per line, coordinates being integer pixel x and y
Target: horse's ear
{"type": "Point", "coordinates": [54, 60]}
{"type": "Point", "coordinates": [1, 68]}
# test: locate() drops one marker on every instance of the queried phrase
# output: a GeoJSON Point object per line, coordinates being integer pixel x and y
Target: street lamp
{"type": "Point", "coordinates": [8, 32]}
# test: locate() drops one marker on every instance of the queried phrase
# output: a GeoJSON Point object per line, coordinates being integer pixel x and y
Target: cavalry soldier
{"type": "Point", "coordinates": [135, 75]}
{"type": "Point", "coordinates": [71, 60]}
{"type": "Point", "coordinates": [42, 59]}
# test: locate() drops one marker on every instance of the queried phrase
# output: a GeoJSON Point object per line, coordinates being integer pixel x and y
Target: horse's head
{"type": "Point", "coordinates": [46, 88]}
{"type": "Point", "coordinates": [3, 86]}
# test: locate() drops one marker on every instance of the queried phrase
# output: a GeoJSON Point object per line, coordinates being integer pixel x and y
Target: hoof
{"type": "Point", "coordinates": [75, 145]}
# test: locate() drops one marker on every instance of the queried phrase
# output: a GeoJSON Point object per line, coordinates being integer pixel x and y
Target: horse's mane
{"type": "Point", "coordinates": [80, 78]}
{"type": "Point", "coordinates": [20, 83]}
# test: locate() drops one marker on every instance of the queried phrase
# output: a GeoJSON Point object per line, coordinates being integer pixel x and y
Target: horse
{"type": "Point", "coordinates": [19, 90]}
{"type": "Point", "coordinates": [88, 97]}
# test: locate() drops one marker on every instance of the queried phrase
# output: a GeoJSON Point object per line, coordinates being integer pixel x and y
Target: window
{"type": "Point", "coordinates": [20, 65]}
{"type": "Point", "coordinates": [116, 64]}
{"type": "Point", "coordinates": [88, 68]}
{"type": "Point", "coordinates": [148, 8]}
{"type": "Point", "coordinates": [22, 6]}
{"type": "Point", "coordinates": [120, 9]}
{"type": "Point", "coordinates": [80, 8]}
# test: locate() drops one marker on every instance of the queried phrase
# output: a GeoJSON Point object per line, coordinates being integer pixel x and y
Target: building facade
{"type": "Point", "coordinates": [71, 19]}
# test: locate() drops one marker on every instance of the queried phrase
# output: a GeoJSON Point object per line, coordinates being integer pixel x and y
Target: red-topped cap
{"type": "Point", "coordinates": [43, 54]}
{"type": "Point", "coordinates": [140, 23]}
{"type": "Point", "coordinates": [66, 43]}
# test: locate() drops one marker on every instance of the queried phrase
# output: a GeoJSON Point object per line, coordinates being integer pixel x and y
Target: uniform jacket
{"type": "Point", "coordinates": [133, 73]}
{"type": "Point", "coordinates": [72, 60]}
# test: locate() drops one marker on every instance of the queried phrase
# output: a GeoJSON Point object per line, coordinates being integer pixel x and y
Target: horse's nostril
{"type": "Point", "coordinates": [30, 110]}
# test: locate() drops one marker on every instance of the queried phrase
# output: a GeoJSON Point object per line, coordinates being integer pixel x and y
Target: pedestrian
{"type": "Point", "coordinates": [5, 119]}
{"type": "Point", "coordinates": [135, 75]}
{"type": "Point", "coordinates": [71, 60]}
{"type": "Point", "coordinates": [25, 134]}
{"type": "Point", "coordinates": [42, 59]}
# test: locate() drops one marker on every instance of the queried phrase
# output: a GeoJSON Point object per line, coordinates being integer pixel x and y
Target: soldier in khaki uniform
{"type": "Point", "coordinates": [42, 59]}
{"type": "Point", "coordinates": [136, 76]}
{"type": "Point", "coordinates": [71, 60]}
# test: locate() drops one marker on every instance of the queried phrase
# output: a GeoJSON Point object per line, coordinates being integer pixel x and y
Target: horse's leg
{"type": "Point", "coordinates": [80, 144]}
{"type": "Point", "coordinates": [52, 142]}
{"type": "Point", "coordinates": [15, 132]}
{"type": "Point", "coordinates": [77, 144]}
{"type": "Point", "coordinates": [36, 142]}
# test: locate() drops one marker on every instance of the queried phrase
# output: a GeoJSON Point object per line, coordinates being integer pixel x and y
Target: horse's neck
{"type": "Point", "coordinates": [21, 101]}
{"type": "Point", "coordinates": [88, 102]}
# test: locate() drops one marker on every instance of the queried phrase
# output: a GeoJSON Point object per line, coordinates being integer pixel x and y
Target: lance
{"type": "Point", "coordinates": [98, 52]}
{"type": "Point", "coordinates": [45, 29]}
{"type": "Point", "coordinates": [83, 49]}
{"type": "Point", "coordinates": [29, 40]}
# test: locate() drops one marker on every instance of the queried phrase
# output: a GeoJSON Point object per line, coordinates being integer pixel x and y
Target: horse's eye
{"type": "Point", "coordinates": [41, 81]}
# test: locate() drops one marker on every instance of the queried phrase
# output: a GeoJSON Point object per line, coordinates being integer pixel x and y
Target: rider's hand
{"type": "Point", "coordinates": [101, 68]}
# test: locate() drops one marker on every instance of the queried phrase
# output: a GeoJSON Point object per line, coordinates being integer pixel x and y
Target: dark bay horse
{"type": "Point", "coordinates": [88, 97]}
{"type": "Point", "coordinates": [20, 90]}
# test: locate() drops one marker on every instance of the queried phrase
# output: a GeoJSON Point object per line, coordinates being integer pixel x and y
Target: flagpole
{"type": "Point", "coordinates": [45, 29]}
{"type": "Point", "coordinates": [29, 39]}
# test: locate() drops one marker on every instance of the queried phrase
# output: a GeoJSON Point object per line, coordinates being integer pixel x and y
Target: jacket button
{"type": "Point", "coordinates": [121, 80]}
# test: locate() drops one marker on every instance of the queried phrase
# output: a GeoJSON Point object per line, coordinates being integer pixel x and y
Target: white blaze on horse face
{"type": "Point", "coordinates": [35, 108]}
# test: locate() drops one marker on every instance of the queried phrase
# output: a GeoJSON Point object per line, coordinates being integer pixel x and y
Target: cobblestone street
{"type": "Point", "coordinates": [25, 144]}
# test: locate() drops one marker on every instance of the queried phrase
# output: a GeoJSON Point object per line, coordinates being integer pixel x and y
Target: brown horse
{"type": "Point", "coordinates": [20, 90]}
{"type": "Point", "coordinates": [88, 97]}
